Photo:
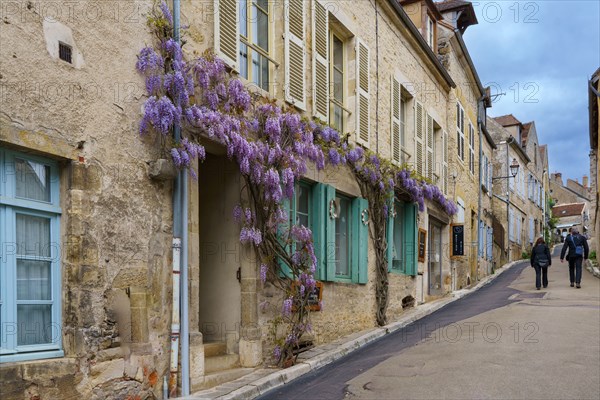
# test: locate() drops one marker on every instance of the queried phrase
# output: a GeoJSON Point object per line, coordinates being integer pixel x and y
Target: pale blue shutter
{"type": "Point", "coordinates": [390, 235]}
{"type": "Point", "coordinates": [319, 218]}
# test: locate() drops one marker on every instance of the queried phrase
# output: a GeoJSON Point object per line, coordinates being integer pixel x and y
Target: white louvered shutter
{"type": "Point", "coordinates": [395, 118]}
{"type": "Point", "coordinates": [227, 31]}
{"type": "Point", "coordinates": [490, 176]}
{"type": "Point", "coordinates": [362, 94]}
{"type": "Point", "coordinates": [294, 49]}
{"type": "Point", "coordinates": [444, 184]}
{"type": "Point", "coordinates": [429, 148]}
{"type": "Point", "coordinates": [320, 40]}
{"type": "Point", "coordinates": [419, 134]}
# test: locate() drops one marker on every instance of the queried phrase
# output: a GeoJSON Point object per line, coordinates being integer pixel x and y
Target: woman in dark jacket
{"type": "Point", "coordinates": [541, 260]}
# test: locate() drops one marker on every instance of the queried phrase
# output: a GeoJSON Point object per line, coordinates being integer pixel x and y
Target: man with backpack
{"type": "Point", "coordinates": [578, 251]}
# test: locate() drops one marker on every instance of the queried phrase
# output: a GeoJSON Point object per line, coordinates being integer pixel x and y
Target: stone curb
{"type": "Point", "coordinates": [594, 270]}
{"type": "Point", "coordinates": [330, 352]}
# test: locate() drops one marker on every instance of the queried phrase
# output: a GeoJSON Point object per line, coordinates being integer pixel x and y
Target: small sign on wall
{"type": "Point", "coordinates": [458, 240]}
{"type": "Point", "coordinates": [314, 298]}
{"type": "Point", "coordinates": [422, 244]}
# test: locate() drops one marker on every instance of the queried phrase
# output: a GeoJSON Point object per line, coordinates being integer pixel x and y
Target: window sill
{"type": "Point", "coordinates": [18, 357]}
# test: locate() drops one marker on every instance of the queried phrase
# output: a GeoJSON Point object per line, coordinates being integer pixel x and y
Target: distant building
{"type": "Point", "coordinates": [594, 111]}
{"type": "Point", "coordinates": [572, 215]}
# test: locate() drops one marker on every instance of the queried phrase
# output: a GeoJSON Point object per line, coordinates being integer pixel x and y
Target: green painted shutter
{"type": "Point", "coordinates": [282, 234]}
{"type": "Point", "coordinates": [329, 234]}
{"type": "Point", "coordinates": [390, 235]}
{"type": "Point", "coordinates": [360, 244]}
{"type": "Point", "coordinates": [410, 238]}
{"type": "Point", "coordinates": [319, 222]}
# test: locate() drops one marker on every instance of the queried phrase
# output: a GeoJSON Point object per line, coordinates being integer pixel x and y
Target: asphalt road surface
{"type": "Point", "coordinates": [505, 341]}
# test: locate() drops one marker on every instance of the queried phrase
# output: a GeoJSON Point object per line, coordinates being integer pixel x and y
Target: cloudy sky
{"type": "Point", "coordinates": [541, 54]}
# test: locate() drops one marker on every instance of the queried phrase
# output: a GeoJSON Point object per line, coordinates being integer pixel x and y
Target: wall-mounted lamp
{"type": "Point", "coordinates": [514, 170]}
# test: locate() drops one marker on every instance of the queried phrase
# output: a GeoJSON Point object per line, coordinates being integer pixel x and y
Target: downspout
{"type": "Point", "coordinates": [377, 78]}
{"type": "Point", "coordinates": [185, 329]}
{"type": "Point", "coordinates": [480, 191]}
{"type": "Point", "coordinates": [508, 142]}
{"type": "Point", "coordinates": [180, 256]}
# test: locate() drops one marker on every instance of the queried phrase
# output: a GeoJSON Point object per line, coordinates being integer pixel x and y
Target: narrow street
{"type": "Point", "coordinates": [506, 340]}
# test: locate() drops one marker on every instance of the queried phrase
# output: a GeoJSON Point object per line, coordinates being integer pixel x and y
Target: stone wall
{"type": "Point", "coordinates": [115, 222]}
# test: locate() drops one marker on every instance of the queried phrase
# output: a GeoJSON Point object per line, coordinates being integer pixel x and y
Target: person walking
{"type": "Point", "coordinates": [578, 249]}
{"type": "Point", "coordinates": [541, 260]}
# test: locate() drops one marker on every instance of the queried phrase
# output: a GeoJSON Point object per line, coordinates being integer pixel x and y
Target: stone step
{"type": "Point", "coordinates": [212, 349]}
{"type": "Point", "coordinates": [221, 363]}
{"type": "Point", "coordinates": [218, 378]}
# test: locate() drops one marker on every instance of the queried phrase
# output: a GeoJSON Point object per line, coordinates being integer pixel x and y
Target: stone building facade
{"type": "Point", "coordinates": [79, 214]}
{"type": "Point", "coordinates": [468, 174]}
{"type": "Point", "coordinates": [594, 127]}
{"type": "Point", "coordinates": [510, 192]}
{"type": "Point", "coordinates": [574, 215]}
{"type": "Point", "coordinates": [535, 184]}
{"type": "Point", "coordinates": [72, 127]}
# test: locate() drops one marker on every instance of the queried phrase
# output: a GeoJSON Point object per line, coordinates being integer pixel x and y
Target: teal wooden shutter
{"type": "Point", "coordinates": [360, 244]}
{"type": "Point", "coordinates": [410, 237]}
{"type": "Point", "coordinates": [282, 234]}
{"type": "Point", "coordinates": [329, 233]}
{"type": "Point", "coordinates": [319, 219]}
{"type": "Point", "coordinates": [390, 235]}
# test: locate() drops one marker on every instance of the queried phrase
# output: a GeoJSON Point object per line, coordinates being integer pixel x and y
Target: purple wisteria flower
{"type": "Point", "coordinates": [237, 214]}
{"type": "Point", "coordinates": [277, 352]}
{"type": "Point", "coordinates": [286, 309]}
{"type": "Point", "coordinates": [263, 272]}
{"type": "Point", "coordinates": [300, 233]}
{"type": "Point", "coordinates": [250, 235]}
{"type": "Point", "coordinates": [164, 8]}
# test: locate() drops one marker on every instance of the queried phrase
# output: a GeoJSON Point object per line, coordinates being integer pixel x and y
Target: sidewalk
{"type": "Point", "coordinates": [263, 380]}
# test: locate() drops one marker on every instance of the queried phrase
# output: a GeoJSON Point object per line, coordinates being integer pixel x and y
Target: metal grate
{"type": "Point", "coordinates": [64, 52]}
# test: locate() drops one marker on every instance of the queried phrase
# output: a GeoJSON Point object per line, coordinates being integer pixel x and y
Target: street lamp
{"type": "Point", "coordinates": [514, 170]}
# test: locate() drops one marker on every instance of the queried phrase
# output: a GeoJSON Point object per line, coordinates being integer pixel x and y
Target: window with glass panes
{"type": "Point", "coordinates": [398, 249]}
{"type": "Point", "coordinates": [401, 238]}
{"type": "Point", "coordinates": [471, 149]}
{"type": "Point", "coordinates": [254, 41]}
{"type": "Point", "coordinates": [343, 228]}
{"type": "Point", "coordinates": [336, 67]}
{"type": "Point", "coordinates": [30, 279]}
{"type": "Point", "coordinates": [460, 131]}
{"type": "Point", "coordinates": [302, 205]}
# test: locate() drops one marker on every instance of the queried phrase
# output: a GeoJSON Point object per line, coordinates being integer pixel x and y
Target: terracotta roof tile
{"type": "Point", "coordinates": [507, 120]}
{"type": "Point", "coordinates": [568, 210]}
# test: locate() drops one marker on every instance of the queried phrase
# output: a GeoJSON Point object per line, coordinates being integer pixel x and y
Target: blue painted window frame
{"type": "Point", "coordinates": [10, 206]}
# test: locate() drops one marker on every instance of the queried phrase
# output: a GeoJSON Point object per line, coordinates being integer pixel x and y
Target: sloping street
{"type": "Point", "coordinates": [510, 341]}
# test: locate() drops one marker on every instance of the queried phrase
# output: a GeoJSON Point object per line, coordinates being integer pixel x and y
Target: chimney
{"type": "Point", "coordinates": [585, 181]}
{"type": "Point", "coordinates": [558, 178]}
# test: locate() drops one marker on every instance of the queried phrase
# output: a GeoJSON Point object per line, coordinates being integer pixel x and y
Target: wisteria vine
{"type": "Point", "coordinates": [272, 146]}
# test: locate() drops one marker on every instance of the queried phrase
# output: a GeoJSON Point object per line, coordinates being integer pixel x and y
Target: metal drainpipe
{"type": "Point", "coordinates": [480, 126]}
{"type": "Point", "coordinates": [180, 261]}
{"type": "Point", "coordinates": [185, 329]}
{"type": "Point", "coordinates": [508, 142]}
